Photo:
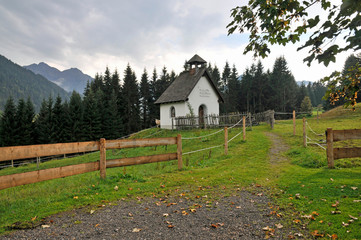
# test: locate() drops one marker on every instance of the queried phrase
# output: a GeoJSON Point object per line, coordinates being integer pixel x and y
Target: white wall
{"type": "Point", "coordinates": [202, 94]}
{"type": "Point", "coordinates": [165, 119]}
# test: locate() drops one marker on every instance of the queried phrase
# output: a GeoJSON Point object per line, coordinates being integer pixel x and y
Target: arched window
{"type": "Point", "coordinates": [172, 112]}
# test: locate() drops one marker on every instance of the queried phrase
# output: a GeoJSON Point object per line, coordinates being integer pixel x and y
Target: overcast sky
{"type": "Point", "coordinates": [93, 34]}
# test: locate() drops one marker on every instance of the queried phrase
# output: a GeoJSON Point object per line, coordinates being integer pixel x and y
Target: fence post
{"type": "Point", "coordinates": [244, 128]}
{"type": "Point", "coordinates": [225, 140]}
{"type": "Point", "coordinates": [250, 120]}
{"type": "Point", "coordinates": [103, 159]}
{"type": "Point", "coordinates": [179, 151]}
{"type": "Point", "coordinates": [272, 118]}
{"type": "Point", "coordinates": [329, 140]}
{"type": "Point", "coordinates": [304, 133]}
{"type": "Point", "coordinates": [294, 122]}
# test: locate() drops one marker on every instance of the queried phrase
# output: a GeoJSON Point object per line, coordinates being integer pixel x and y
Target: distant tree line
{"type": "Point", "coordinates": [110, 108]}
{"type": "Point", "coordinates": [257, 90]}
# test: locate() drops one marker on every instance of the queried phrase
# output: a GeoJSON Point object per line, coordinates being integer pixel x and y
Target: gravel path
{"type": "Point", "coordinates": [243, 215]}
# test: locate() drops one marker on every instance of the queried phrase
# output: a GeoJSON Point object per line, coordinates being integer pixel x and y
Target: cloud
{"type": "Point", "coordinates": [91, 35]}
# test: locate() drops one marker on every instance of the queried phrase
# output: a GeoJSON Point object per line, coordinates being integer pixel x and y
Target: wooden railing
{"type": "Point", "coordinates": [337, 153]}
{"type": "Point", "coordinates": [23, 152]}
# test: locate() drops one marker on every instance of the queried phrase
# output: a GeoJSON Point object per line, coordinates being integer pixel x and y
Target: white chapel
{"type": "Point", "coordinates": [192, 90]}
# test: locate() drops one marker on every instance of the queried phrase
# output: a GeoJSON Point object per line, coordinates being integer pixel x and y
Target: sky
{"type": "Point", "coordinates": [92, 34]}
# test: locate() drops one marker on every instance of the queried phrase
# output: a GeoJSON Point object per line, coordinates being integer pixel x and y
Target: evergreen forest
{"type": "Point", "coordinates": [113, 106]}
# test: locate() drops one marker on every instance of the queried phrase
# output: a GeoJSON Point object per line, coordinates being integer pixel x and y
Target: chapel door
{"type": "Point", "coordinates": [201, 115]}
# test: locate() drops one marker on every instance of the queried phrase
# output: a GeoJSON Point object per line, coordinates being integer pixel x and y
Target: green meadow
{"type": "Point", "coordinates": [327, 202]}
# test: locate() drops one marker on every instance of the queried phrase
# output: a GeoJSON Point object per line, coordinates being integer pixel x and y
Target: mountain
{"type": "Point", "coordinates": [19, 82]}
{"type": "Point", "coordinates": [304, 82]}
{"type": "Point", "coordinates": [70, 79]}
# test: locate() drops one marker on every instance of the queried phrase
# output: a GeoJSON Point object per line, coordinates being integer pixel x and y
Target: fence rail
{"type": "Point", "coordinates": [212, 120]}
{"type": "Point", "coordinates": [24, 152]}
{"type": "Point", "coordinates": [337, 153]}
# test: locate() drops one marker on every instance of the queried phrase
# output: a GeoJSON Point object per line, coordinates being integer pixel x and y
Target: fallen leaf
{"type": "Point", "coordinates": [267, 228]}
{"type": "Point", "coordinates": [34, 218]}
{"type": "Point", "coordinates": [344, 224]}
{"type": "Point", "coordinates": [170, 226]}
{"type": "Point", "coordinates": [354, 218]}
{"type": "Point", "coordinates": [356, 200]}
{"type": "Point", "coordinates": [334, 236]}
{"type": "Point", "coordinates": [136, 230]}
{"type": "Point", "coordinates": [317, 234]}
{"type": "Point", "coordinates": [296, 221]}
{"type": "Point", "coordinates": [184, 213]}
{"type": "Point", "coordinates": [331, 179]}
{"type": "Point", "coordinates": [45, 226]}
{"type": "Point", "coordinates": [165, 214]}
{"type": "Point", "coordinates": [279, 225]}
{"type": "Point", "coordinates": [298, 234]}
{"type": "Point", "coordinates": [193, 210]}
{"type": "Point", "coordinates": [170, 204]}
{"type": "Point", "coordinates": [75, 197]}
{"type": "Point", "coordinates": [297, 196]}
{"type": "Point", "coordinates": [353, 188]}
{"type": "Point", "coordinates": [321, 221]}
{"type": "Point", "coordinates": [92, 211]}
{"type": "Point", "coordinates": [307, 216]}
{"type": "Point", "coordinates": [130, 214]}
{"type": "Point", "coordinates": [116, 188]}
{"type": "Point", "coordinates": [97, 225]}
{"type": "Point", "coordinates": [214, 225]}
{"type": "Point", "coordinates": [336, 212]}
{"type": "Point", "coordinates": [315, 213]}
{"type": "Point", "coordinates": [238, 207]}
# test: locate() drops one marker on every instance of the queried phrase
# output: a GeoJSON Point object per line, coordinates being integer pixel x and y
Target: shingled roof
{"type": "Point", "coordinates": [183, 85]}
{"type": "Point", "coordinates": [196, 59]}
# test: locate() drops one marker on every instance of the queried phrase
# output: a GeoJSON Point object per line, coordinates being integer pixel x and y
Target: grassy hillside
{"type": "Point", "coordinates": [304, 190]}
{"type": "Point", "coordinates": [18, 82]}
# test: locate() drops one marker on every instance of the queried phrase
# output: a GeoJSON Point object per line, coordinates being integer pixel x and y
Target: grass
{"type": "Point", "coordinates": [303, 187]}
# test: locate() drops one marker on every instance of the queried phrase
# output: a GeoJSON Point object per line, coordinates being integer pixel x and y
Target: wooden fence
{"type": "Point", "coordinates": [23, 152]}
{"type": "Point", "coordinates": [337, 153]}
{"type": "Point", "coordinates": [212, 120]}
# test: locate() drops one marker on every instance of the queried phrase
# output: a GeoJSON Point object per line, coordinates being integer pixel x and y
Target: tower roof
{"type": "Point", "coordinates": [196, 60]}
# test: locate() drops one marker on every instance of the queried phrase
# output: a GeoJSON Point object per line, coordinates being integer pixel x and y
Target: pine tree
{"type": "Point", "coordinates": [97, 83]}
{"type": "Point", "coordinates": [29, 133]}
{"type": "Point", "coordinates": [154, 109]}
{"type": "Point", "coordinates": [145, 100]}
{"type": "Point", "coordinates": [58, 120]}
{"type": "Point", "coordinates": [234, 91]}
{"type": "Point", "coordinates": [224, 108]}
{"type": "Point", "coordinates": [67, 127]}
{"type": "Point", "coordinates": [284, 86]}
{"type": "Point", "coordinates": [44, 122]}
{"type": "Point", "coordinates": [91, 118]}
{"type": "Point", "coordinates": [301, 94]}
{"type": "Point", "coordinates": [216, 77]}
{"type": "Point", "coordinates": [76, 117]}
{"type": "Point", "coordinates": [172, 77]}
{"type": "Point", "coordinates": [99, 96]}
{"type": "Point", "coordinates": [20, 123]}
{"type": "Point", "coordinates": [131, 101]}
{"type": "Point", "coordinates": [8, 126]}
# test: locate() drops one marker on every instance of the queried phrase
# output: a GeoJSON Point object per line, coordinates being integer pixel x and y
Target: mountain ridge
{"type": "Point", "coordinates": [70, 79]}
{"type": "Point", "coordinates": [19, 82]}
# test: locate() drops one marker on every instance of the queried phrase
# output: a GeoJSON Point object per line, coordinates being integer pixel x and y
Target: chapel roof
{"type": "Point", "coordinates": [183, 85]}
{"type": "Point", "coordinates": [196, 60]}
